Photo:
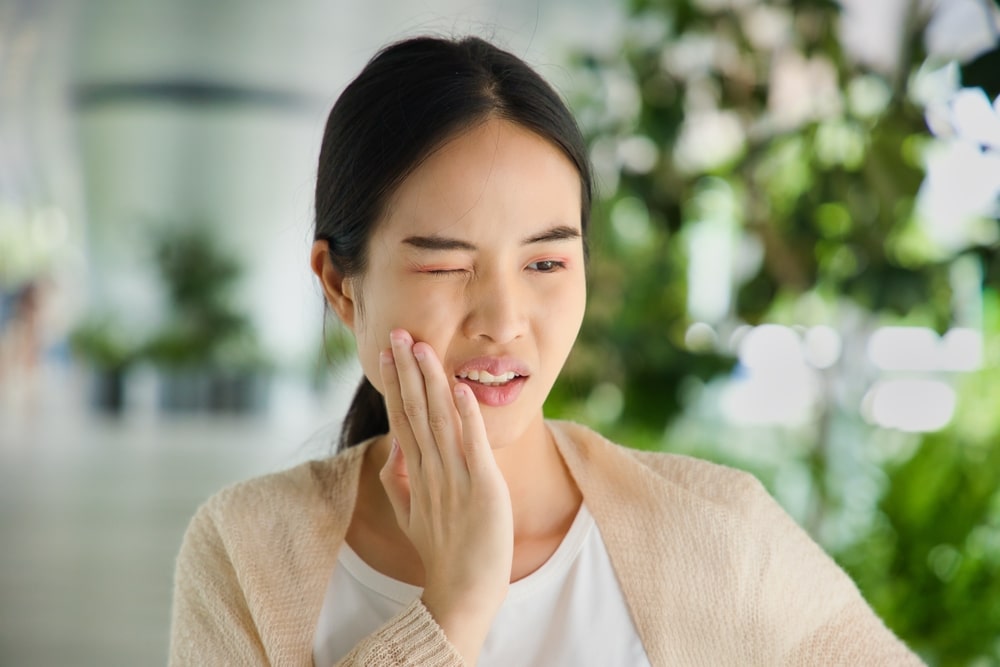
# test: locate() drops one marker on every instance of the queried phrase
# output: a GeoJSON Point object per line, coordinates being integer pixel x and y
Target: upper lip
{"type": "Point", "coordinates": [494, 366]}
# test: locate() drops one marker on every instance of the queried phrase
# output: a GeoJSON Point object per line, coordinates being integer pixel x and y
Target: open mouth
{"type": "Point", "coordinates": [488, 379]}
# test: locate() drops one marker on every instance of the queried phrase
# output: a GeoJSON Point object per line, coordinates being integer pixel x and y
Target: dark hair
{"type": "Point", "coordinates": [411, 97]}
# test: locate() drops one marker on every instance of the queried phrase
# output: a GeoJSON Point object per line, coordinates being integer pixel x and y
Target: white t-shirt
{"type": "Point", "coordinates": [570, 611]}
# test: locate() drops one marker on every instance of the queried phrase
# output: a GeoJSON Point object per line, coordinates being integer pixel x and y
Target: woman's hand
{"type": "Point", "coordinates": [448, 494]}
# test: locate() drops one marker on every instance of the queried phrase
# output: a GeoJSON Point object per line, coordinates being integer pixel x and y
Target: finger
{"type": "Point", "coordinates": [399, 425]}
{"type": "Point", "coordinates": [475, 443]}
{"type": "Point", "coordinates": [396, 482]}
{"type": "Point", "coordinates": [413, 398]}
{"type": "Point", "coordinates": [442, 416]}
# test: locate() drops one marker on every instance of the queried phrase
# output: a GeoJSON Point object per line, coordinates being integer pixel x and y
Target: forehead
{"type": "Point", "coordinates": [495, 176]}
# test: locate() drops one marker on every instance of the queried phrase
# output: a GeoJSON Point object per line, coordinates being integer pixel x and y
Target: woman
{"type": "Point", "coordinates": [456, 525]}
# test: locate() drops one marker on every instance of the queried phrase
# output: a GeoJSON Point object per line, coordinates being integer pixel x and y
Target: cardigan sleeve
{"type": "Point", "coordinates": [213, 622]}
{"type": "Point", "coordinates": [811, 612]}
{"type": "Point", "coordinates": [412, 637]}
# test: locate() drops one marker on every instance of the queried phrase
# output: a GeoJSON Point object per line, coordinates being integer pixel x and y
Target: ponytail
{"type": "Point", "coordinates": [365, 418]}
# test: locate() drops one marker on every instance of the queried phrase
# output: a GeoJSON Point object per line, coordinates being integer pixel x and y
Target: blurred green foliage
{"type": "Point", "coordinates": [931, 563]}
{"type": "Point", "coordinates": [204, 324]}
{"type": "Point", "coordinates": [748, 123]}
{"type": "Point", "coordinates": [100, 342]}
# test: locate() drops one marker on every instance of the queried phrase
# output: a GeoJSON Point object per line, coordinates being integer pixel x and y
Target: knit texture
{"type": "Point", "coordinates": [714, 572]}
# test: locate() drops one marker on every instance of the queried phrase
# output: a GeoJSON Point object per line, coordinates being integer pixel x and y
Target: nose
{"type": "Point", "coordinates": [497, 308]}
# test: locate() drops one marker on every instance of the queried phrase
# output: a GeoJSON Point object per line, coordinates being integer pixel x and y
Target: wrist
{"type": "Point", "coordinates": [465, 619]}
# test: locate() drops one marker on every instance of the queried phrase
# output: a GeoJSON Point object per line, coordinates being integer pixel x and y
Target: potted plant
{"type": "Point", "coordinates": [103, 345]}
{"type": "Point", "coordinates": [207, 353]}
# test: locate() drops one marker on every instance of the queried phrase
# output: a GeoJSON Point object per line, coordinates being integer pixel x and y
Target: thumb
{"type": "Point", "coordinates": [396, 482]}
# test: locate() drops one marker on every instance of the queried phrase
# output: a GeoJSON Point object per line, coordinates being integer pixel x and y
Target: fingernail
{"type": "Point", "coordinates": [385, 356]}
{"type": "Point", "coordinates": [460, 390]}
{"type": "Point", "coordinates": [419, 353]}
{"type": "Point", "coordinates": [395, 447]}
{"type": "Point", "coordinates": [397, 336]}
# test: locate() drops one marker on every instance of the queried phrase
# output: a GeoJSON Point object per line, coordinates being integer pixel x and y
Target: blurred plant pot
{"type": "Point", "coordinates": [108, 390]}
{"type": "Point", "coordinates": [221, 391]}
{"type": "Point", "coordinates": [103, 344]}
{"type": "Point", "coordinates": [241, 392]}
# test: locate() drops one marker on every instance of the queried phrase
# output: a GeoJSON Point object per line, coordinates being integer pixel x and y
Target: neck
{"type": "Point", "coordinates": [543, 494]}
{"type": "Point", "coordinates": [544, 500]}
{"type": "Point", "coordinates": [544, 497]}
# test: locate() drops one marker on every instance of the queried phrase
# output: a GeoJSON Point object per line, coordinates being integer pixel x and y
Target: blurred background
{"type": "Point", "coordinates": [795, 270]}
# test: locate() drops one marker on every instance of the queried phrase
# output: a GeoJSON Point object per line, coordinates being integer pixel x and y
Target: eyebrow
{"type": "Point", "coordinates": [558, 233]}
{"type": "Point", "coordinates": [437, 242]}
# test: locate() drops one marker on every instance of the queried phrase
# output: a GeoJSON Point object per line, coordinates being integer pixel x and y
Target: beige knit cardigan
{"type": "Point", "coordinates": [713, 570]}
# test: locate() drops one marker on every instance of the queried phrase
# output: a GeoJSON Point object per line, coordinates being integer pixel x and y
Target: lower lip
{"type": "Point", "coordinates": [497, 395]}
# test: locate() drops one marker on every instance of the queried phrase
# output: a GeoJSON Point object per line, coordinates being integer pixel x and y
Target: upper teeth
{"type": "Point", "coordinates": [485, 377]}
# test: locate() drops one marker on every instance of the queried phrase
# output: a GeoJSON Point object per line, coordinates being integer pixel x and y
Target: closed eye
{"type": "Point", "coordinates": [547, 265]}
{"type": "Point", "coordinates": [442, 272]}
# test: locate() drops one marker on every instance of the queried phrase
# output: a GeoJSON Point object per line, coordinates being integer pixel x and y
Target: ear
{"type": "Point", "coordinates": [338, 289]}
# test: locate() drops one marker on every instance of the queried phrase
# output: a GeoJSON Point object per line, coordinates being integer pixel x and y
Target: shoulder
{"type": "Point", "coordinates": [255, 558]}
{"type": "Point", "coordinates": [699, 479]}
{"type": "Point", "coordinates": [711, 481]}
{"type": "Point", "coordinates": [690, 538]}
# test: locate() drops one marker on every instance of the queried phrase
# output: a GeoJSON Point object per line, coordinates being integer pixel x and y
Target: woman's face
{"type": "Point", "coordinates": [480, 255]}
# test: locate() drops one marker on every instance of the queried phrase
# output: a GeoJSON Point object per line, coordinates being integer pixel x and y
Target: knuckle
{"type": "Point", "coordinates": [438, 423]}
{"type": "Point", "coordinates": [413, 409]}
{"type": "Point", "coordinates": [471, 453]}
{"type": "Point", "coordinates": [396, 415]}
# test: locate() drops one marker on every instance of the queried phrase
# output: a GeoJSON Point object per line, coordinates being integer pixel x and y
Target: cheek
{"type": "Point", "coordinates": [371, 332]}
{"type": "Point", "coordinates": [368, 348]}
{"type": "Point", "coordinates": [425, 318]}
{"type": "Point", "coordinates": [563, 315]}
{"type": "Point", "coordinates": [572, 300]}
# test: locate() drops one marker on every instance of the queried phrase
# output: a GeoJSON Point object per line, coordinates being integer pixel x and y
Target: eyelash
{"type": "Point", "coordinates": [443, 272]}
{"type": "Point", "coordinates": [551, 266]}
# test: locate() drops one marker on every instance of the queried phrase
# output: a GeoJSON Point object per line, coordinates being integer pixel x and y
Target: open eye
{"type": "Point", "coordinates": [547, 265]}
